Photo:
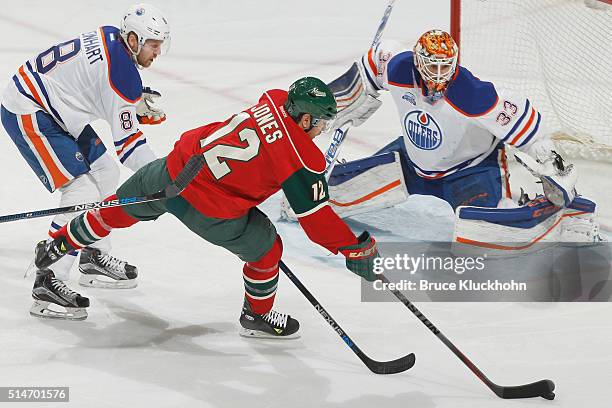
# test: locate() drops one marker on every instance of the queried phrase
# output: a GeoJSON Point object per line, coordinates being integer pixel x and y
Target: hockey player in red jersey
{"type": "Point", "coordinates": [249, 157]}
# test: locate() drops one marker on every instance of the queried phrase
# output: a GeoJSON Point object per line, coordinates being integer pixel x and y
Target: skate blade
{"type": "Point", "coordinates": [91, 281]}
{"type": "Point", "coordinates": [30, 270]}
{"type": "Point", "coordinates": [256, 334]}
{"type": "Point", "coordinates": [41, 309]}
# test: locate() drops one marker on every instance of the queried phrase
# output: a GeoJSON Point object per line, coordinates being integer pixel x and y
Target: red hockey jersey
{"type": "Point", "coordinates": [252, 155]}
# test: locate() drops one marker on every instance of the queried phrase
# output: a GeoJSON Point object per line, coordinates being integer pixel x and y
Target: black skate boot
{"type": "Point", "coordinates": [272, 325]}
{"type": "Point", "coordinates": [49, 290]}
{"type": "Point", "coordinates": [100, 270]}
{"type": "Point", "coordinates": [49, 252]}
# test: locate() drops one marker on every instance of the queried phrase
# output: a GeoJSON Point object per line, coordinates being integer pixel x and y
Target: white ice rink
{"type": "Point", "coordinates": [172, 342]}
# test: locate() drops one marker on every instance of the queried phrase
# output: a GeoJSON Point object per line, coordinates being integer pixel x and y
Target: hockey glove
{"type": "Point", "coordinates": [558, 179]}
{"type": "Point", "coordinates": [146, 113]}
{"type": "Point", "coordinates": [357, 99]}
{"type": "Point", "coordinates": [360, 257]}
{"type": "Point", "coordinates": [359, 112]}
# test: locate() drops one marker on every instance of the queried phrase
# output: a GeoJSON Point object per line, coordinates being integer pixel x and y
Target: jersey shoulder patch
{"type": "Point", "coordinates": [123, 75]}
{"type": "Point", "coordinates": [307, 154]}
{"type": "Point", "coordinates": [469, 95]}
{"type": "Point", "coordinates": [399, 70]}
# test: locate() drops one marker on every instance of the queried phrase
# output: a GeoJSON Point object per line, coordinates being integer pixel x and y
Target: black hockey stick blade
{"type": "Point", "coordinates": [390, 367]}
{"type": "Point", "coordinates": [542, 388]}
{"type": "Point", "coordinates": [377, 367]}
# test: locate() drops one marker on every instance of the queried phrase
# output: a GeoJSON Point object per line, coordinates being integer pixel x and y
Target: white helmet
{"type": "Point", "coordinates": [148, 23]}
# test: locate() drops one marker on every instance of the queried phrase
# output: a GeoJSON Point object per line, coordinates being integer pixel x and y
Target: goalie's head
{"type": "Point", "coordinates": [146, 32]}
{"type": "Point", "coordinates": [435, 57]}
{"type": "Point", "coordinates": [311, 104]}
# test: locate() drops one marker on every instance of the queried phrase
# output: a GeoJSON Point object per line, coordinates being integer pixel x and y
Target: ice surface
{"type": "Point", "coordinates": [172, 342]}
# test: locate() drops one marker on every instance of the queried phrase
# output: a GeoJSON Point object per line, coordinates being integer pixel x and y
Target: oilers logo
{"type": "Point", "coordinates": [422, 130]}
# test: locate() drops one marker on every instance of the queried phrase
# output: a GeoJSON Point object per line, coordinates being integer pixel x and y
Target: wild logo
{"type": "Point", "coordinates": [316, 92]}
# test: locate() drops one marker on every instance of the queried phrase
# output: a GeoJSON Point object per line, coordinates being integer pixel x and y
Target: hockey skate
{"type": "Point", "coordinates": [49, 290]}
{"type": "Point", "coordinates": [48, 252]}
{"type": "Point", "coordinates": [100, 270]}
{"type": "Point", "coordinates": [272, 325]}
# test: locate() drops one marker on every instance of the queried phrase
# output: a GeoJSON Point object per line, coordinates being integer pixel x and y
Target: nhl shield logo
{"type": "Point", "coordinates": [409, 96]}
{"type": "Point", "coordinates": [422, 130]}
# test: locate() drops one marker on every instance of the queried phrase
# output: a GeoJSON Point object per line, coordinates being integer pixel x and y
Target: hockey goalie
{"type": "Point", "coordinates": [455, 131]}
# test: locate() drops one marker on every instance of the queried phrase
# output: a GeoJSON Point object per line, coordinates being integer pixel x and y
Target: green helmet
{"type": "Point", "coordinates": [313, 96]}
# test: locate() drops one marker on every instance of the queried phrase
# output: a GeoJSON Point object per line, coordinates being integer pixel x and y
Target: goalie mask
{"type": "Point", "coordinates": [148, 23]}
{"type": "Point", "coordinates": [435, 57]}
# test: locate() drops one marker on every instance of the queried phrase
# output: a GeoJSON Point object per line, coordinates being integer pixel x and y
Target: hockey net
{"type": "Point", "coordinates": [558, 53]}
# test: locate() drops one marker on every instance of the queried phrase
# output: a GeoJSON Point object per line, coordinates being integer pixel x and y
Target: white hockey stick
{"type": "Point", "coordinates": [334, 147]}
{"type": "Point", "coordinates": [331, 155]}
{"type": "Point", "coordinates": [340, 133]}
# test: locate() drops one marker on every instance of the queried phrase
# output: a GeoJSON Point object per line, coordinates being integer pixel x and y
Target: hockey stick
{"type": "Point", "coordinates": [340, 133]}
{"type": "Point", "coordinates": [334, 148]}
{"type": "Point", "coordinates": [377, 367]}
{"type": "Point", "coordinates": [191, 169]}
{"type": "Point", "coordinates": [542, 388]}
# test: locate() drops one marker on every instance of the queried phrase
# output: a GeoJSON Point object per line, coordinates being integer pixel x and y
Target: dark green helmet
{"type": "Point", "coordinates": [313, 96]}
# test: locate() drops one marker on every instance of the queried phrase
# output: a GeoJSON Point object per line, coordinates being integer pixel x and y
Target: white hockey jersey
{"type": "Point", "coordinates": [461, 129]}
{"type": "Point", "coordinates": [78, 81]}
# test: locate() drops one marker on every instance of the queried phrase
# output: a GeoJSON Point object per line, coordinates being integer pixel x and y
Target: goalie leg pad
{"type": "Point", "coordinates": [368, 184]}
{"type": "Point", "coordinates": [512, 231]}
{"type": "Point", "coordinates": [580, 222]}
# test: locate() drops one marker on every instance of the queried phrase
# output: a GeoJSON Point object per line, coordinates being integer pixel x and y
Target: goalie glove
{"type": "Point", "coordinates": [360, 257]}
{"type": "Point", "coordinates": [558, 179]}
{"type": "Point", "coordinates": [357, 99]}
{"type": "Point", "coordinates": [146, 113]}
{"type": "Point", "coordinates": [359, 113]}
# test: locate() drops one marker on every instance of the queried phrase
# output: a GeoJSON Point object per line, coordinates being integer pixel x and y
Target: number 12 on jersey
{"type": "Point", "coordinates": [318, 191]}
{"type": "Point", "coordinates": [217, 155]}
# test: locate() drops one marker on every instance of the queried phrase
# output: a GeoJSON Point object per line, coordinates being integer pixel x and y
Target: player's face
{"type": "Point", "coordinates": [149, 51]}
{"type": "Point", "coordinates": [442, 70]}
{"type": "Point", "coordinates": [312, 127]}
{"type": "Point", "coordinates": [318, 127]}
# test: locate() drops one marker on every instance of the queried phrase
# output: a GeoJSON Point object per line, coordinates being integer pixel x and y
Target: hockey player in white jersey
{"type": "Point", "coordinates": [46, 110]}
{"type": "Point", "coordinates": [455, 129]}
